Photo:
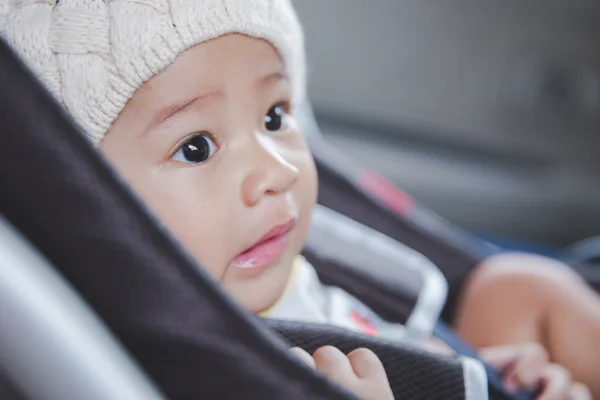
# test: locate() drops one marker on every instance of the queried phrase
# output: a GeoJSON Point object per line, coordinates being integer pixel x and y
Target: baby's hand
{"type": "Point", "coordinates": [527, 367]}
{"type": "Point", "coordinates": [360, 372]}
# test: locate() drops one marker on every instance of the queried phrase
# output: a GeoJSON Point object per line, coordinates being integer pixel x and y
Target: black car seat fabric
{"type": "Point", "coordinates": [404, 368]}
{"type": "Point", "coordinates": [177, 323]}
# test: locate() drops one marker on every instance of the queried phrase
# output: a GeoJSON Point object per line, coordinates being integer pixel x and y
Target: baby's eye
{"type": "Point", "coordinates": [275, 117]}
{"type": "Point", "coordinates": [197, 149]}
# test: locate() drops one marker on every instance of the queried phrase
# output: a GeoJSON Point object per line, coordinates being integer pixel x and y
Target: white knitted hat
{"type": "Point", "coordinates": [94, 54]}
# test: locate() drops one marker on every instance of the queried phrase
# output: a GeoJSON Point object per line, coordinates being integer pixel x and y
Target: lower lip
{"type": "Point", "coordinates": [263, 255]}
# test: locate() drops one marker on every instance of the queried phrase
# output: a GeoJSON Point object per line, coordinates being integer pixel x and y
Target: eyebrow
{"type": "Point", "coordinates": [181, 106]}
{"type": "Point", "coordinates": [275, 76]}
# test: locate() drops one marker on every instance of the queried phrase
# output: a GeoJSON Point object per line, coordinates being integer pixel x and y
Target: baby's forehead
{"type": "Point", "coordinates": [228, 68]}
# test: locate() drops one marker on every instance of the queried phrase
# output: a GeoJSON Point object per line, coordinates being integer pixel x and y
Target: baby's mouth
{"type": "Point", "coordinates": [267, 250]}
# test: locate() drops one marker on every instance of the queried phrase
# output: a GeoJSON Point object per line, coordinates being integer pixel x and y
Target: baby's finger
{"type": "Point", "coordinates": [304, 356]}
{"type": "Point", "coordinates": [367, 365]}
{"type": "Point", "coordinates": [527, 371]}
{"type": "Point", "coordinates": [580, 392]}
{"type": "Point", "coordinates": [500, 357]}
{"type": "Point", "coordinates": [333, 363]}
{"type": "Point", "coordinates": [556, 382]}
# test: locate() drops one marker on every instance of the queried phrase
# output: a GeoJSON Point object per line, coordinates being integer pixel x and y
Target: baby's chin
{"type": "Point", "coordinates": [262, 292]}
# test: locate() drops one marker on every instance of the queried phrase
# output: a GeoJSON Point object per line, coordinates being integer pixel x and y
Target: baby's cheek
{"type": "Point", "coordinates": [198, 237]}
{"type": "Point", "coordinates": [215, 267]}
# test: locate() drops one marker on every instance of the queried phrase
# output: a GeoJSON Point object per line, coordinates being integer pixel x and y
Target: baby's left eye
{"type": "Point", "coordinates": [275, 117]}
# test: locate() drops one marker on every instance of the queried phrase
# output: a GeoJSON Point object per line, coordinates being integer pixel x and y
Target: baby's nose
{"type": "Point", "coordinates": [272, 175]}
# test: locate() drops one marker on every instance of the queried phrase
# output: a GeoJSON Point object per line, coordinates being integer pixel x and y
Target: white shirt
{"type": "Point", "coordinates": [307, 299]}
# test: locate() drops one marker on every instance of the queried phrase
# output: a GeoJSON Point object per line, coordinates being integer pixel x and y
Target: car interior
{"type": "Point", "coordinates": [442, 133]}
{"type": "Point", "coordinates": [494, 103]}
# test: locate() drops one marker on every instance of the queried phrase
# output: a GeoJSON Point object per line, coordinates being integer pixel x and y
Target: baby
{"type": "Point", "coordinates": [193, 103]}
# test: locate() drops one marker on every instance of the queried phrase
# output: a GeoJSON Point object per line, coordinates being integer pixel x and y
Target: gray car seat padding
{"type": "Point", "coordinates": [53, 344]}
{"type": "Point", "coordinates": [409, 285]}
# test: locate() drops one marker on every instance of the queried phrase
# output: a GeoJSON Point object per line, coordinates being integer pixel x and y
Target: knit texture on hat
{"type": "Point", "coordinates": [94, 54]}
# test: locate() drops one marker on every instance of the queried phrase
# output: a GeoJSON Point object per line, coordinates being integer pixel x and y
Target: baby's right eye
{"type": "Point", "coordinates": [197, 149]}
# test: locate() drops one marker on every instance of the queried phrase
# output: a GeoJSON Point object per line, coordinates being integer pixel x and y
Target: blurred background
{"type": "Point", "coordinates": [487, 112]}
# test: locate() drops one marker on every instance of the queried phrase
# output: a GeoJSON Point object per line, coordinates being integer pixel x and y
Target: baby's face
{"type": "Point", "coordinates": [212, 146]}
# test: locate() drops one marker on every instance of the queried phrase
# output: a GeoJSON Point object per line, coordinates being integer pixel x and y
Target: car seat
{"type": "Point", "coordinates": [396, 282]}
{"type": "Point", "coordinates": [51, 345]}
{"type": "Point", "coordinates": [68, 211]}
{"type": "Point", "coordinates": [406, 286]}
